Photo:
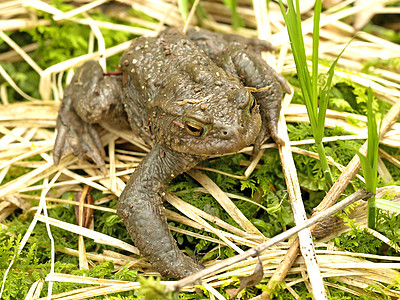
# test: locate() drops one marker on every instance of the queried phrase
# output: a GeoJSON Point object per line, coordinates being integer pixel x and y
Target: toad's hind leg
{"type": "Point", "coordinates": [141, 209]}
{"type": "Point", "coordinates": [90, 98]}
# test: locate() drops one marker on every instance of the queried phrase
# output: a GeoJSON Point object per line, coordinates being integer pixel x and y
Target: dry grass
{"type": "Point", "coordinates": [27, 130]}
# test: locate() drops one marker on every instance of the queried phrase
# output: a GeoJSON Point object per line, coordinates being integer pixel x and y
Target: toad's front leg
{"type": "Point", "coordinates": [266, 86]}
{"type": "Point", "coordinates": [141, 209]}
{"type": "Point", "coordinates": [240, 57]}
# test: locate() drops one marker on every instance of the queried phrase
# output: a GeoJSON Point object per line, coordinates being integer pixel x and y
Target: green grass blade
{"type": "Point", "coordinates": [236, 19]}
{"type": "Point", "coordinates": [308, 82]}
{"type": "Point", "coordinates": [372, 213]}
{"type": "Point", "coordinates": [315, 53]}
{"type": "Point", "coordinates": [373, 140]}
{"type": "Point", "coordinates": [368, 173]}
{"type": "Point", "coordinates": [369, 163]}
{"type": "Point", "coordinates": [183, 6]}
{"type": "Point", "coordinates": [293, 23]}
{"type": "Point", "coordinates": [369, 177]}
{"type": "Point", "coordinates": [324, 97]}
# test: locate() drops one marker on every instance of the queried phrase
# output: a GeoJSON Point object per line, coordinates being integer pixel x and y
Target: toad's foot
{"type": "Point", "coordinates": [76, 136]}
{"type": "Point", "coordinates": [267, 130]}
{"type": "Point", "coordinates": [266, 86]}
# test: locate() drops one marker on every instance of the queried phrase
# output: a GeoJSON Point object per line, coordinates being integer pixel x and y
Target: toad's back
{"type": "Point", "coordinates": [151, 65]}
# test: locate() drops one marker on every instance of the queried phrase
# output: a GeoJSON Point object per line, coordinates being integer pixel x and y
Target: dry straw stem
{"type": "Point", "coordinates": [292, 183]}
{"type": "Point", "coordinates": [304, 236]}
{"type": "Point", "coordinates": [25, 133]}
{"type": "Point", "coordinates": [96, 236]}
{"type": "Point", "coordinates": [224, 201]}
{"type": "Point", "coordinates": [83, 262]}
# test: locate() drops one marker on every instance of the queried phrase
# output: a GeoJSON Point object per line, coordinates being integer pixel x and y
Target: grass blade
{"type": "Point", "coordinates": [315, 52]}
{"type": "Point", "coordinates": [369, 163]}
{"type": "Point", "coordinates": [183, 6]}
{"type": "Point", "coordinates": [309, 83]}
{"type": "Point", "coordinates": [236, 19]}
{"type": "Point", "coordinates": [324, 96]}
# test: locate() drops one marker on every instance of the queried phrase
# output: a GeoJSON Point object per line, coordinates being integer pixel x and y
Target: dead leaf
{"type": "Point", "coordinates": [87, 212]}
{"type": "Point", "coordinates": [18, 201]}
{"type": "Point", "coordinates": [250, 280]}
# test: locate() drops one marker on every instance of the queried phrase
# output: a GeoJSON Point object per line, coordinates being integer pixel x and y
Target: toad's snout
{"type": "Point", "coordinates": [236, 136]}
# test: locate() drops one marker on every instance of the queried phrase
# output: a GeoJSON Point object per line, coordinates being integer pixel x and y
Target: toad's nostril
{"type": "Point", "coordinates": [231, 134]}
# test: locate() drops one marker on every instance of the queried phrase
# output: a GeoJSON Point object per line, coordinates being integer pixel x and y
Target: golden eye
{"type": "Point", "coordinates": [194, 129]}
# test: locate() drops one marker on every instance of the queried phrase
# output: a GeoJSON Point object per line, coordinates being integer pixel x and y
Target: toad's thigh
{"type": "Point", "coordinates": [96, 97]}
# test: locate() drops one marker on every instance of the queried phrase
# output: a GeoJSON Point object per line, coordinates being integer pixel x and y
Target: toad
{"type": "Point", "coordinates": [189, 96]}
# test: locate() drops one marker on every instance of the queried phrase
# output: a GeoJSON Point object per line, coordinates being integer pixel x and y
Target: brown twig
{"type": "Point", "coordinates": [331, 197]}
{"type": "Point", "coordinates": [253, 252]}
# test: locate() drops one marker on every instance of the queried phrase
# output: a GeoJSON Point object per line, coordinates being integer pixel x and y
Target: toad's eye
{"type": "Point", "coordinates": [194, 129]}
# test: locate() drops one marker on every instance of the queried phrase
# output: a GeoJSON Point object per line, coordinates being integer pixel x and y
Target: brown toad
{"type": "Point", "coordinates": [190, 97]}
